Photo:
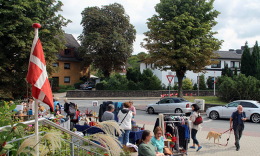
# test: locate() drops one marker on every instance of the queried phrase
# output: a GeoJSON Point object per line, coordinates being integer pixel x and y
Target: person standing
{"type": "Point", "coordinates": [238, 117]}
{"type": "Point", "coordinates": [132, 108]}
{"type": "Point", "coordinates": [194, 128]}
{"type": "Point", "coordinates": [109, 115]}
{"type": "Point", "coordinates": [124, 119]}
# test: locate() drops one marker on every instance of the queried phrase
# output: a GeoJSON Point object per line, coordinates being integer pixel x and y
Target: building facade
{"type": "Point", "coordinates": [69, 64]}
{"type": "Point", "coordinates": [231, 58]}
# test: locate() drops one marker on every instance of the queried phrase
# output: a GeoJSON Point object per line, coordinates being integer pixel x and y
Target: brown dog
{"type": "Point", "coordinates": [214, 135]}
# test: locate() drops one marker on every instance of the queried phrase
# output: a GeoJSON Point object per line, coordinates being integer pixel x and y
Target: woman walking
{"type": "Point", "coordinates": [194, 128]}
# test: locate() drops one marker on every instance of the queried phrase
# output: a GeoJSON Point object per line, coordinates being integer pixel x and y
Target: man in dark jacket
{"type": "Point", "coordinates": [238, 118]}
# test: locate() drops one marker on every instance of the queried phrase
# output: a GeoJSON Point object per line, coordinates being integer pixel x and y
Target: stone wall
{"type": "Point", "coordinates": [138, 93]}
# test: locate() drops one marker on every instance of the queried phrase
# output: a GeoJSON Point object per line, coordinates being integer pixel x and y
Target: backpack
{"type": "Point", "coordinates": [198, 120]}
{"type": "Point", "coordinates": [70, 108]}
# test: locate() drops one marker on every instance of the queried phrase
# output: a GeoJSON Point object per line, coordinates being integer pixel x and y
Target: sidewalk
{"type": "Point", "coordinates": [248, 145]}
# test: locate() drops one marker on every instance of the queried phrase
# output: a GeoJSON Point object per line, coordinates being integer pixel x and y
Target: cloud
{"type": "Point", "coordinates": [238, 22]}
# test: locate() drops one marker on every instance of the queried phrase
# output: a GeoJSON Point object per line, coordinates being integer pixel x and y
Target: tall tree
{"type": "Point", "coordinates": [255, 69]}
{"type": "Point", "coordinates": [202, 84]}
{"type": "Point", "coordinates": [246, 61]}
{"type": "Point", "coordinates": [16, 36]}
{"type": "Point", "coordinates": [107, 37]}
{"type": "Point", "coordinates": [180, 36]}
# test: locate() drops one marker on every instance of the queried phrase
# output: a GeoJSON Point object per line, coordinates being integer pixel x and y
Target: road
{"type": "Point", "coordinates": [143, 118]}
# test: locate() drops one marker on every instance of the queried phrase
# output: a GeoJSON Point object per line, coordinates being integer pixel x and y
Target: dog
{"type": "Point", "coordinates": [214, 135]}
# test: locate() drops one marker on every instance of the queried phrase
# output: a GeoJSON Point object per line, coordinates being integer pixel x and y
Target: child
{"type": "Point", "coordinates": [57, 110]}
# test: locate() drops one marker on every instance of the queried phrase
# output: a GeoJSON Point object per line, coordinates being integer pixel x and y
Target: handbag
{"type": "Point", "coordinates": [167, 151]}
{"type": "Point", "coordinates": [122, 122]}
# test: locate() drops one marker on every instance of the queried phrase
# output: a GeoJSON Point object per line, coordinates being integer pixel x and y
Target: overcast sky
{"type": "Point", "coordinates": [237, 23]}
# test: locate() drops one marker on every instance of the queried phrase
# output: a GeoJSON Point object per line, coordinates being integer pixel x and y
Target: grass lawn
{"type": "Point", "coordinates": [208, 99]}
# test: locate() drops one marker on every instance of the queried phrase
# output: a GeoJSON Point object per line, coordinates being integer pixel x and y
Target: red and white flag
{"type": "Point", "coordinates": [37, 74]}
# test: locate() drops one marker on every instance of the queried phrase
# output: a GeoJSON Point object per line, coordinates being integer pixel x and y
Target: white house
{"type": "Point", "coordinates": [232, 58]}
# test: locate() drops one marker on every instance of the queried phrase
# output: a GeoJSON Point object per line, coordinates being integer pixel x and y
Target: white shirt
{"type": "Point", "coordinates": [126, 124]}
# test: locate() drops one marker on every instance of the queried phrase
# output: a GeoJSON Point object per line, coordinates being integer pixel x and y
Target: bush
{"type": "Point", "coordinates": [77, 84]}
{"type": "Point", "coordinates": [100, 86]}
{"type": "Point", "coordinates": [62, 90]}
{"type": "Point", "coordinates": [116, 82]}
{"type": "Point", "coordinates": [195, 87]}
{"type": "Point", "coordinates": [132, 85]}
{"type": "Point", "coordinates": [186, 84]}
{"type": "Point", "coordinates": [62, 86]}
{"type": "Point", "coordinates": [71, 88]}
{"type": "Point", "coordinates": [239, 88]}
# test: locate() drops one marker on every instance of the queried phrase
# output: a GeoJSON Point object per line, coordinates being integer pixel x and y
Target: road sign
{"type": "Point", "coordinates": [170, 78]}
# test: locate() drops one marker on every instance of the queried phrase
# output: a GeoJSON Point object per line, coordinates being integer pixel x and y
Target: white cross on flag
{"type": "Point", "coordinates": [37, 74]}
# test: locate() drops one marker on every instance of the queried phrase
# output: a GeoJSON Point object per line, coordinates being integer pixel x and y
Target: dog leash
{"type": "Point", "coordinates": [227, 138]}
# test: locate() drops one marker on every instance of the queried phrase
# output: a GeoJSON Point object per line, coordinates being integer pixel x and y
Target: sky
{"type": "Point", "coordinates": [238, 22]}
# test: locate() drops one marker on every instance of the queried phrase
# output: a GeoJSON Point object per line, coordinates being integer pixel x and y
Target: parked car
{"type": "Point", "coordinates": [170, 105]}
{"type": "Point", "coordinates": [86, 85]}
{"type": "Point", "coordinates": [251, 108]}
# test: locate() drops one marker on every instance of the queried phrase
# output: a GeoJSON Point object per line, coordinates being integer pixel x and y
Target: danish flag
{"type": "Point", "coordinates": [37, 74]}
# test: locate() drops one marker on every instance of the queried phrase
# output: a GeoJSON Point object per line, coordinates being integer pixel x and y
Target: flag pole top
{"type": "Point", "coordinates": [36, 25]}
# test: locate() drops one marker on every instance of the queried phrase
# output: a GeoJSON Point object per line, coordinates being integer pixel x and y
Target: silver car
{"type": "Point", "coordinates": [251, 108]}
{"type": "Point", "coordinates": [170, 105]}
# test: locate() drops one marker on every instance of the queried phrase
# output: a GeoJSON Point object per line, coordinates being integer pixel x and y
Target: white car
{"type": "Point", "coordinates": [251, 108]}
{"type": "Point", "coordinates": [170, 105]}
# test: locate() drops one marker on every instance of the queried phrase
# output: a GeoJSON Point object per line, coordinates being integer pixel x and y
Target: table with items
{"type": "Point", "coordinates": [86, 129]}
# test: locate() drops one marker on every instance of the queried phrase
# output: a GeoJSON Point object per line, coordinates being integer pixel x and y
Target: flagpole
{"type": "Point", "coordinates": [214, 83]}
{"type": "Point", "coordinates": [36, 26]}
{"type": "Point", "coordinates": [36, 126]}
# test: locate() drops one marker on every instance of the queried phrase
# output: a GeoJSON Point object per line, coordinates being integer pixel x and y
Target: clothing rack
{"type": "Point", "coordinates": [182, 115]}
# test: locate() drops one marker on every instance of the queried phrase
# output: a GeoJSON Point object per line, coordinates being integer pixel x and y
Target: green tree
{"type": "Point", "coordinates": [107, 37]}
{"type": "Point", "coordinates": [255, 64]}
{"type": "Point", "coordinates": [16, 36]}
{"type": "Point", "coordinates": [210, 83]}
{"type": "Point", "coordinates": [134, 61]}
{"type": "Point", "coordinates": [195, 87]}
{"type": "Point", "coordinates": [180, 36]}
{"type": "Point", "coordinates": [202, 84]}
{"type": "Point", "coordinates": [187, 84]}
{"type": "Point", "coordinates": [150, 81]}
{"type": "Point", "coordinates": [235, 73]}
{"type": "Point", "coordinates": [133, 75]}
{"type": "Point", "coordinates": [246, 61]}
{"type": "Point", "coordinates": [227, 71]}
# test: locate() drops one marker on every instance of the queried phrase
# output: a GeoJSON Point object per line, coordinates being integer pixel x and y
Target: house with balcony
{"type": "Point", "coordinates": [69, 64]}
{"type": "Point", "coordinates": [231, 58]}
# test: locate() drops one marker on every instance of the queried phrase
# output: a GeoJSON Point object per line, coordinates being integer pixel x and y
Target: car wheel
{"type": "Point", "coordinates": [178, 110]}
{"type": "Point", "coordinates": [150, 110]}
{"type": "Point", "coordinates": [255, 118]}
{"type": "Point", "coordinates": [213, 115]}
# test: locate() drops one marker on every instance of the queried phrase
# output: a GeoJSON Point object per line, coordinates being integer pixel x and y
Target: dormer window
{"type": "Point", "coordinates": [67, 52]}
